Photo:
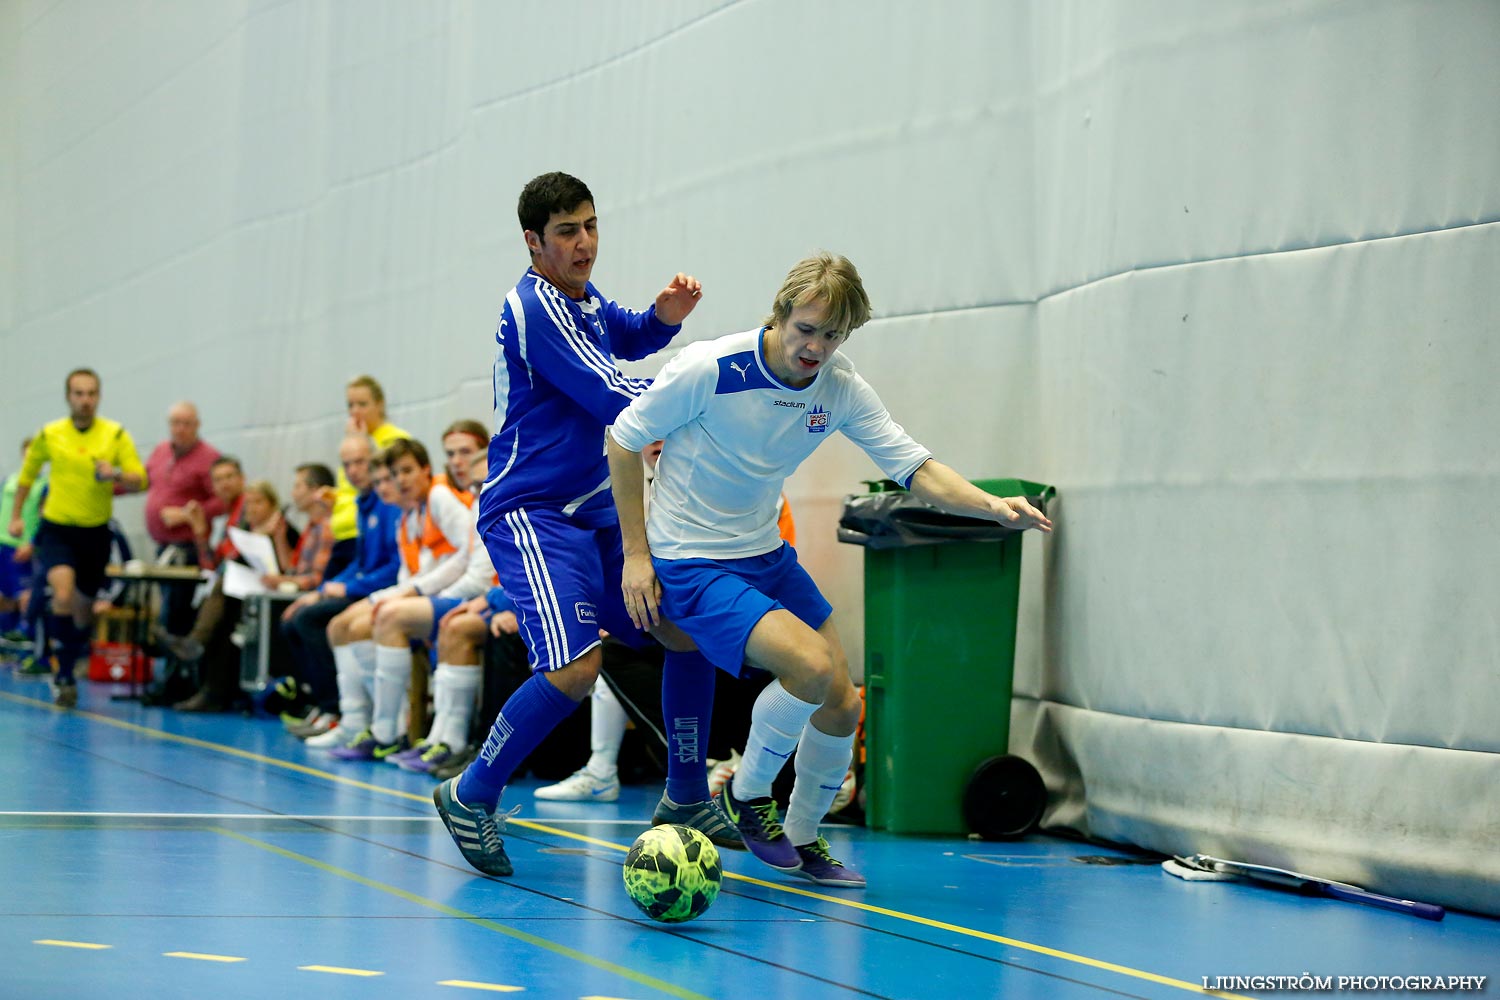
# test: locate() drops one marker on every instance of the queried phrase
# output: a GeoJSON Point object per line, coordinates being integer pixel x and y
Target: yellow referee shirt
{"type": "Point", "coordinates": [345, 519]}
{"type": "Point", "coordinates": [75, 497]}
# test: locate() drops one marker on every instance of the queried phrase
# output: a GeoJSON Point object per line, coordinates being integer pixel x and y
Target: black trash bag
{"type": "Point", "coordinates": [898, 519]}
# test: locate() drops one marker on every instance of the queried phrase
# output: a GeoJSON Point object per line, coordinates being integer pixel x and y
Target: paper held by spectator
{"type": "Point", "coordinates": [240, 581]}
{"type": "Point", "coordinates": [256, 550]}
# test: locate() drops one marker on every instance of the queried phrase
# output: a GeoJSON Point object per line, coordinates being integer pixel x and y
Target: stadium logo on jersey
{"type": "Point", "coordinates": [587, 614]}
{"type": "Point", "coordinates": [788, 402]}
{"type": "Point", "coordinates": [817, 420]}
{"type": "Point", "coordinates": [744, 372]}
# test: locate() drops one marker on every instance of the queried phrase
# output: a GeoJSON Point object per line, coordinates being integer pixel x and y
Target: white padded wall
{"type": "Point", "coordinates": [1221, 273]}
{"type": "Point", "coordinates": [1267, 249]}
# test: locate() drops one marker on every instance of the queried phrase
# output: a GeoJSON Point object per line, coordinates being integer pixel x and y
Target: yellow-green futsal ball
{"type": "Point", "coordinates": [672, 873]}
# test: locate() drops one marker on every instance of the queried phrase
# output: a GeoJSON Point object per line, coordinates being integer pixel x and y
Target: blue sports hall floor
{"type": "Point", "coordinates": [152, 854]}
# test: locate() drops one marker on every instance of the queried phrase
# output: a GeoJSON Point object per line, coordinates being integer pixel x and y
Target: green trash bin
{"type": "Point", "coordinates": [940, 642]}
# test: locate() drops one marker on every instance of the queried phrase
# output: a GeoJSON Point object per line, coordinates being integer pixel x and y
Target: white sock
{"type": "Point", "coordinates": [606, 732]}
{"type": "Point", "coordinates": [354, 700]}
{"type": "Point", "coordinates": [392, 675]}
{"type": "Point", "coordinates": [455, 689]}
{"type": "Point", "coordinates": [364, 655]}
{"type": "Point", "coordinates": [822, 762]}
{"type": "Point", "coordinates": [776, 722]}
{"type": "Point", "coordinates": [438, 690]}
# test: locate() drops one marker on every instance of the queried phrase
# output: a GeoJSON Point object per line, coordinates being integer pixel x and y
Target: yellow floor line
{"type": "Point", "coordinates": [338, 970]}
{"type": "Point", "coordinates": [511, 932]}
{"type": "Point", "coordinates": [543, 828]}
{"type": "Point", "coordinates": [464, 984]}
{"type": "Point", "coordinates": [200, 957]}
{"type": "Point", "coordinates": [86, 945]}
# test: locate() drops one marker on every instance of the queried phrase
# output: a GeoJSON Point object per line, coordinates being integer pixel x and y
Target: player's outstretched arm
{"type": "Point", "coordinates": [945, 489]}
{"type": "Point", "coordinates": [681, 295]}
{"type": "Point", "coordinates": [638, 584]}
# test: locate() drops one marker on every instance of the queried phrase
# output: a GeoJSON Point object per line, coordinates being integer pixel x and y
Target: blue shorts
{"type": "Point", "coordinates": [563, 576]}
{"type": "Point", "coordinates": [12, 573]}
{"type": "Point", "coordinates": [719, 601]}
{"type": "Point", "coordinates": [440, 607]}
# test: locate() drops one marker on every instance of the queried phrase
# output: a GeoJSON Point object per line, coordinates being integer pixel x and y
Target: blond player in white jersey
{"type": "Point", "coordinates": [738, 415]}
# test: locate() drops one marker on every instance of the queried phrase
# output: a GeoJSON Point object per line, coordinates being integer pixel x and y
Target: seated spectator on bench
{"type": "Point", "coordinates": [401, 622]}
{"type": "Point", "coordinates": [462, 635]}
{"type": "Point", "coordinates": [179, 471]}
{"type": "Point", "coordinates": [217, 657]}
{"type": "Point", "coordinates": [463, 442]}
{"type": "Point", "coordinates": [310, 692]}
{"type": "Point", "coordinates": [433, 535]}
{"type": "Point", "coordinates": [303, 565]}
{"type": "Point", "coordinates": [364, 399]}
{"type": "Point", "coordinates": [214, 547]}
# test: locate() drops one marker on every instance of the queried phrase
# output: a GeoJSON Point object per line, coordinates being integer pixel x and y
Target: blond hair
{"type": "Point", "coordinates": [829, 279]}
{"type": "Point", "coordinates": [266, 491]}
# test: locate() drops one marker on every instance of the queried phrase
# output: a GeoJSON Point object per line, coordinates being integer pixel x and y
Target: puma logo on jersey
{"type": "Point", "coordinates": [744, 372]}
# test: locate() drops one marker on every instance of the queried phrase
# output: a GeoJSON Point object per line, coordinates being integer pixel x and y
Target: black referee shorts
{"type": "Point", "coordinates": [86, 550]}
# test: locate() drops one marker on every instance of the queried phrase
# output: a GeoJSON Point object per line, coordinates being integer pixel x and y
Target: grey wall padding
{"type": "Point", "coordinates": [1266, 330]}
{"type": "Point", "coordinates": [1224, 274]}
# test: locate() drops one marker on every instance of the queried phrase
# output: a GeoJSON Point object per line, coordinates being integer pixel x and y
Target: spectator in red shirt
{"type": "Point", "coordinates": [179, 473]}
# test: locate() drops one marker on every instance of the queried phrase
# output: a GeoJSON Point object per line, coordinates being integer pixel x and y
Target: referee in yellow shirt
{"type": "Point", "coordinates": [92, 459]}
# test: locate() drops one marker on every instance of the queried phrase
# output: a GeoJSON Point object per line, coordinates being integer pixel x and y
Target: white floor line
{"type": "Point", "coordinates": [296, 816]}
{"type": "Point", "coordinates": [175, 815]}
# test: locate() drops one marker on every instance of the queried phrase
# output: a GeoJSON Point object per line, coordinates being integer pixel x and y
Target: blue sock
{"type": "Point", "coordinates": [687, 708]}
{"type": "Point", "coordinates": [525, 720]}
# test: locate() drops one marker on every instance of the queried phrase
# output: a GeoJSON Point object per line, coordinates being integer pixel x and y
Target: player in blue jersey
{"type": "Point", "coordinates": [738, 415]}
{"type": "Point", "coordinates": [548, 521]}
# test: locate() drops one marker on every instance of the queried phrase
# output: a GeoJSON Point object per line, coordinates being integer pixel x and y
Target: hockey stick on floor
{"type": "Point", "coordinates": [1196, 867]}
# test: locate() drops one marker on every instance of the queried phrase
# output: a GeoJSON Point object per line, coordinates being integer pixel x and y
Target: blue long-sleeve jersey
{"type": "Point", "coordinates": [556, 390]}
{"type": "Point", "coordinates": [499, 600]}
{"type": "Point", "coordinates": [377, 559]}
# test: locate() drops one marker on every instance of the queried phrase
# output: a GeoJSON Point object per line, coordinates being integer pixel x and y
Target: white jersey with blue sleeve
{"type": "Point", "coordinates": [479, 571]}
{"type": "Point", "coordinates": [733, 434]}
{"type": "Point", "coordinates": [556, 389]}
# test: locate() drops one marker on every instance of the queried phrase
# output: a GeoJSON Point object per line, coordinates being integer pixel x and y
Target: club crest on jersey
{"type": "Point", "coordinates": [817, 420]}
